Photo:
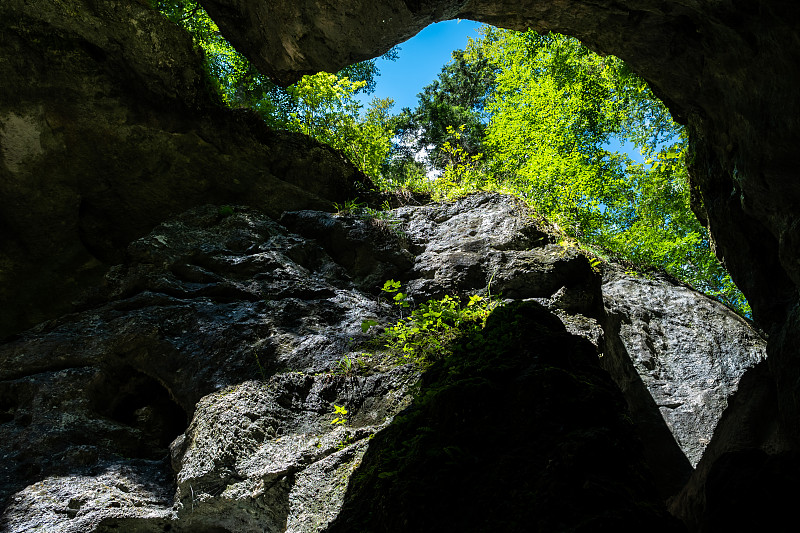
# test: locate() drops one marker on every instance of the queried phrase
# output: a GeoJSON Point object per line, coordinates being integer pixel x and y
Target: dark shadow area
{"type": "Point", "coordinates": [746, 476]}
{"type": "Point", "coordinates": [143, 404]}
{"type": "Point", "coordinates": [520, 430]}
{"type": "Point", "coordinates": [86, 422]}
{"type": "Point", "coordinates": [752, 491]}
{"type": "Point", "coordinates": [144, 525]}
{"type": "Point", "coordinates": [670, 466]}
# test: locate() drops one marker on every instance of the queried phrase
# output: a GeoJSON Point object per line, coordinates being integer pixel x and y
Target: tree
{"type": "Point", "coordinates": [327, 111]}
{"type": "Point", "coordinates": [454, 101]}
{"type": "Point", "coordinates": [554, 110]}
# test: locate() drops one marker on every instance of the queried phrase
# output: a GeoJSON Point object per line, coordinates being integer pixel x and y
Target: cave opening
{"type": "Point", "coordinates": [579, 136]}
{"type": "Point", "coordinates": [727, 71]}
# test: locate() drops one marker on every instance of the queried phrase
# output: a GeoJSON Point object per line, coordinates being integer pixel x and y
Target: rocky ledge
{"type": "Point", "coordinates": [197, 388]}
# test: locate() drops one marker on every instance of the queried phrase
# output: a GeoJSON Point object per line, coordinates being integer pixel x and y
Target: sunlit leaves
{"type": "Point", "coordinates": [322, 106]}
{"type": "Point", "coordinates": [554, 109]}
{"type": "Point", "coordinates": [327, 111]}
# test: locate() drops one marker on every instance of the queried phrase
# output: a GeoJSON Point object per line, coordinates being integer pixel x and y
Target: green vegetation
{"type": "Point", "coordinates": [528, 114]}
{"type": "Point", "coordinates": [340, 412]}
{"type": "Point", "coordinates": [432, 328]}
{"type": "Point", "coordinates": [322, 106]}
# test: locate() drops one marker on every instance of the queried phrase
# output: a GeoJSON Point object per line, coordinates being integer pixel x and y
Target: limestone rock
{"type": "Point", "coordinates": [372, 250]}
{"type": "Point", "coordinates": [196, 390]}
{"type": "Point", "coordinates": [523, 432]}
{"type": "Point", "coordinates": [265, 456]}
{"type": "Point", "coordinates": [748, 428]}
{"type": "Point", "coordinates": [107, 128]}
{"type": "Point", "coordinates": [210, 299]}
{"type": "Point", "coordinates": [678, 356]}
{"type": "Point", "coordinates": [490, 243]}
{"type": "Point", "coordinates": [313, 37]}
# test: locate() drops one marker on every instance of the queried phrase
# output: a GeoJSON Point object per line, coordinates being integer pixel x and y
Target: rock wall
{"type": "Point", "coordinates": [107, 128]}
{"type": "Point", "coordinates": [727, 69]}
{"type": "Point", "coordinates": [198, 391]}
{"type": "Point", "coordinates": [675, 364]}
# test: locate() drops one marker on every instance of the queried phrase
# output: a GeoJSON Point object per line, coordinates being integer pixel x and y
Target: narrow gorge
{"type": "Point", "coordinates": [186, 341]}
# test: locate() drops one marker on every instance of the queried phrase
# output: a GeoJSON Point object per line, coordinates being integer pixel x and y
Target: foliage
{"type": "Point", "coordinates": [322, 106]}
{"type": "Point", "coordinates": [430, 330]}
{"type": "Point", "coordinates": [463, 173]}
{"type": "Point", "coordinates": [340, 412]}
{"type": "Point", "coordinates": [351, 364]}
{"type": "Point", "coordinates": [326, 110]}
{"type": "Point", "coordinates": [382, 219]}
{"type": "Point", "coordinates": [554, 110]}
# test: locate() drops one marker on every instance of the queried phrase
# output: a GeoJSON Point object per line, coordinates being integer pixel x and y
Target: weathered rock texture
{"type": "Point", "coordinates": [197, 392]}
{"type": "Point", "coordinates": [753, 490]}
{"type": "Point", "coordinates": [675, 364]}
{"type": "Point", "coordinates": [208, 301]}
{"type": "Point", "coordinates": [524, 411]}
{"type": "Point", "coordinates": [106, 129]}
{"type": "Point", "coordinates": [728, 69]}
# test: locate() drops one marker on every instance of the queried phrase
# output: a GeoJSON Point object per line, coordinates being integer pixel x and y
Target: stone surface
{"type": "Point", "coordinates": [678, 356]}
{"type": "Point", "coordinates": [688, 350]}
{"type": "Point", "coordinates": [519, 431]}
{"type": "Point", "coordinates": [727, 69]}
{"type": "Point", "coordinates": [490, 243]}
{"type": "Point", "coordinates": [372, 250]}
{"type": "Point", "coordinates": [197, 390]}
{"type": "Point", "coordinates": [265, 456]}
{"type": "Point", "coordinates": [208, 300]}
{"type": "Point", "coordinates": [748, 428]}
{"type": "Point", "coordinates": [107, 128]}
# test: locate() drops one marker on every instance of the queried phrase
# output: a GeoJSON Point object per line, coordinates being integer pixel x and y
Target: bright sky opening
{"type": "Point", "coordinates": [421, 59]}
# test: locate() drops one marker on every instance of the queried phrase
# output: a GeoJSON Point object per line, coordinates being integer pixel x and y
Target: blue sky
{"type": "Point", "coordinates": [421, 59]}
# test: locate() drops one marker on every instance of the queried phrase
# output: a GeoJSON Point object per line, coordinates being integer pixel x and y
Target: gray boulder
{"type": "Point", "coordinates": [490, 243]}
{"type": "Point", "coordinates": [678, 356]}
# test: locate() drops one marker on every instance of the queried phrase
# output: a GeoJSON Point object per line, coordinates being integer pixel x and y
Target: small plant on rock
{"type": "Point", "coordinates": [340, 412]}
{"type": "Point", "coordinates": [426, 333]}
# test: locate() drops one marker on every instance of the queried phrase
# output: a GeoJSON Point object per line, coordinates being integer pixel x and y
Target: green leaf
{"type": "Point", "coordinates": [366, 324]}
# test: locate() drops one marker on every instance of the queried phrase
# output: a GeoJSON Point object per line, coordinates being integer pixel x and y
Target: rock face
{"type": "Point", "coordinates": [675, 364]}
{"type": "Point", "coordinates": [727, 69]}
{"type": "Point", "coordinates": [107, 128]}
{"type": "Point", "coordinates": [524, 412]}
{"type": "Point", "coordinates": [197, 392]}
{"type": "Point", "coordinates": [210, 300]}
{"type": "Point", "coordinates": [747, 470]}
